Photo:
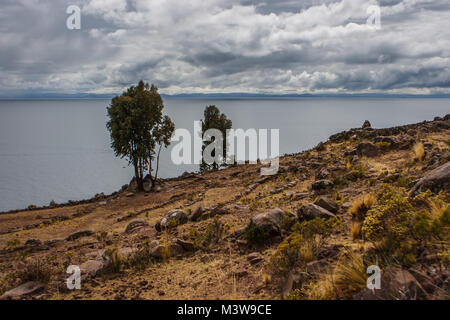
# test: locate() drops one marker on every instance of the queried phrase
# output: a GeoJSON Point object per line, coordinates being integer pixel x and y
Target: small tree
{"type": "Point", "coordinates": [137, 125]}
{"type": "Point", "coordinates": [214, 120]}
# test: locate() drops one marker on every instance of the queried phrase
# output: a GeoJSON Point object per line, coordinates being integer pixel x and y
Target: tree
{"type": "Point", "coordinates": [213, 119]}
{"type": "Point", "coordinates": [136, 125]}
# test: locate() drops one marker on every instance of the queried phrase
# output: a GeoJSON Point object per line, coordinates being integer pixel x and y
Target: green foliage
{"type": "Point", "coordinates": [400, 225]}
{"type": "Point", "coordinates": [136, 125]}
{"type": "Point", "coordinates": [213, 119]}
{"type": "Point", "coordinates": [214, 233]}
{"type": "Point", "coordinates": [293, 252]}
{"type": "Point", "coordinates": [254, 234]}
{"type": "Point", "coordinates": [303, 245]}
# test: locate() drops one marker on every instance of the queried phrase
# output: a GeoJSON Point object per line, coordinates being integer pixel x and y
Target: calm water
{"type": "Point", "coordinates": [59, 150]}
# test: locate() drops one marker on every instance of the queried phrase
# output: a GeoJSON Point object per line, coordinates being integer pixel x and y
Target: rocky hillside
{"type": "Point", "coordinates": [365, 197]}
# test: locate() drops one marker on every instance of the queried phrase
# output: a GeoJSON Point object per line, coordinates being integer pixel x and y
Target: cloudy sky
{"type": "Point", "coordinates": [257, 46]}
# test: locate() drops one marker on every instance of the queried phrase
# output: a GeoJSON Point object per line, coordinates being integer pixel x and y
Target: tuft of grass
{"type": "Point", "coordinates": [350, 274]}
{"type": "Point", "coordinates": [360, 206]}
{"type": "Point", "coordinates": [355, 228]}
{"type": "Point", "coordinates": [419, 151]}
{"type": "Point", "coordinates": [35, 270]}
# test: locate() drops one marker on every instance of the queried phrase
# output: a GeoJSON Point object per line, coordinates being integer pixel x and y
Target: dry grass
{"type": "Point", "coordinates": [419, 151]}
{"type": "Point", "coordinates": [355, 228]}
{"type": "Point", "coordinates": [360, 206]}
{"type": "Point", "coordinates": [350, 274]}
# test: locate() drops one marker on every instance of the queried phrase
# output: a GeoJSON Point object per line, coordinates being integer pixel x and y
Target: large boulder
{"type": "Point", "coordinates": [311, 211]}
{"type": "Point", "coordinates": [321, 184]}
{"type": "Point", "coordinates": [172, 218]}
{"type": "Point", "coordinates": [135, 225]}
{"type": "Point", "coordinates": [269, 221]}
{"type": "Point", "coordinates": [367, 149]}
{"type": "Point", "coordinates": [435, 180]}
{"type": "Point", "coordinates": [196, 214]}
{"type": "Point", "coordinates": [397, 284]}
{"type": "Point", "coordinates": [327, 204]}
{"type": "Point", "coordinates": [23, 290]}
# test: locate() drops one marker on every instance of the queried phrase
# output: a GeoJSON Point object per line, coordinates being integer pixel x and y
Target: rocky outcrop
{"type": "Point", "coordinates": [23, 290]}
{"type": "Point", "coordinates": [321, 184]}
{"type": "Point", "coordinates": [269, 221]}
{"type": "Point", "coordinates": [311, 211]}
{"type": "Point", "coordinates": [79, 234]}
{"type": "Point", "coordinates": [171, 219]}
{"type": "Point", "coordinates": [135, 225]}
{"type": "Point", "coordinates": [327, 204]}
{"type": "Point", "coordinates": [434, 180]}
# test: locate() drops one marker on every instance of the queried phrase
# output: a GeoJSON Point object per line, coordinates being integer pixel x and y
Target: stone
{"type": "Point", "coordinates": [196, 214]}
{"type": "Point", "coordinates": [159, 252]}
{"type": "Point", "coordinates": [311, 211]}
{"type": "Point", "coordinates": [324, 173]}
{"type": "Point", "coordinates": [186, 245]}
{"type": "Point", "coordinates": [52, 242]}
{"type": "Point", "coordinates": [327, 204]}
{"type": "Point", "coordinates": [33, 242]}
{"type": "Point", "coordinates": [366, 125]}
{"type": "Point", "coordinates": [254, 257]}
{"type": "Point", "coordinates": [175, 216]}
{"type": "Point", "coordinates": [135, 225]}
{"type": "Point", "coordinates": [239, 273]}
{"type": "Point", "coordinates": [269, 221]}
{"type": "Point", "coordinates": [23, 290]}
{"type": "Point", "coordinates": [129, 195]}
{"type": "Point", "coordinates": [436, 179]}
{"type": "Point", "coordinates": [367, 149]}
{"type": "Point", "coordinates": [79, 234]}
{"type": "Point", "coordinates": [93, 268]}
{"type": "Point", "coordinates": [321, 184]}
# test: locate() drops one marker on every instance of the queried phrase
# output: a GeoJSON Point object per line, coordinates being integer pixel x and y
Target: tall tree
{"type": "Point", "coordinates": [136, 125]}
{"type": "Point", "coordinates": [213, 119]}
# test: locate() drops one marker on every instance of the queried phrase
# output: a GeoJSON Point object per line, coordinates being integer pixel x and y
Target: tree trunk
{"type": "Point", "coordinates": [157, 166]}
{"type": "Point", "coordinates": [138, 176]}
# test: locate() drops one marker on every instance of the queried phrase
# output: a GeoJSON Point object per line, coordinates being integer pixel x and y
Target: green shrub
{"type": "Point", "coordinates": [254, 234]}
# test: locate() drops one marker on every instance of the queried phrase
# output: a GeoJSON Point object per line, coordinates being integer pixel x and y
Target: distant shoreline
{"type": "Point", "coordinates": [229, 96]}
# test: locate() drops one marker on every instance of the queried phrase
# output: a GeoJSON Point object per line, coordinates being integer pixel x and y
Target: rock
{"type": "Point", "coordinates": [129, 195]}
{"type": "Point", "coordinates": [79, 234]}
{"type": "Point", "coordinates": [239, 273]}
{"type": "Point", "coordinates": [33, 242]}
{"type": "Point", "coordinates": [321, 184]}
{"type": "Point", "coordinates": [367, 149]}
{"type": "Point", "coordinates": [254, 257]}
{"type": "Point", "coordinates": [316, 267]}
{"type": "Point", "coordinates": [366, 125]}
{"type": "Point", "coordinates": [196, 213]}
{"type": "Point", "coordinates": [159, 252]}
{"type": "Point", "coordinates": [93, 268]}
{"type": "Point", "coordinates": [23, 290]}
{"type": "Point", "coordinates": [171, 219]}
{"type": "Point", "coordinates": [153, 244]}
{"type": "Point", "coordinates": [324, 173]}
{"type": "Point", "coordinates": [396, 285]}
{"type": "Point", "coordinates": [52, 242]}
{"type": "Point", "coordinates": [435, 180]}
{"type": "Point", "coordinates": [269, 221]}
{"type": "Point", "coordinates": [297, 195]}
{"type": "Point", "coordinates": [311, 211]}
{"type": "Point", "coordinates": [135, 225]}
{"type": "Point", "coordinates": [186, 245]}
{"type": "Point", "coordinates": [327, 204]}
{"type": "Point", "coordinates": [163, 252]}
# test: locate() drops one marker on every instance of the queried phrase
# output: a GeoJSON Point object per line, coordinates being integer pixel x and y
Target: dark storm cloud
{"type": "Point", "coordinates": [225, 46]}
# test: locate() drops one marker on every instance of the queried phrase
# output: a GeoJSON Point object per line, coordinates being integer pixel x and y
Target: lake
{"type": "Point", "coordinates": [60, 149]}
